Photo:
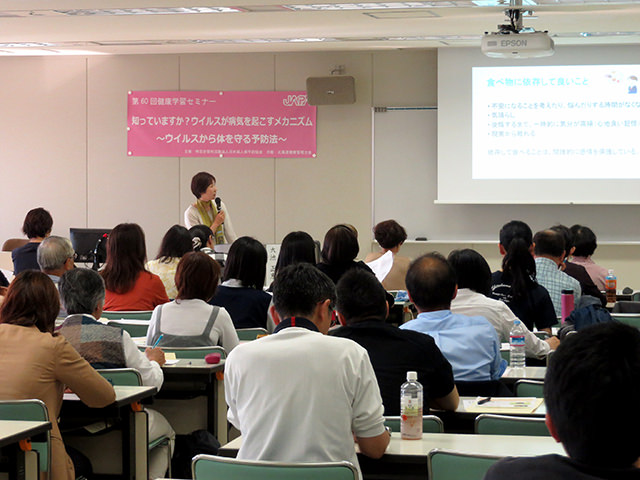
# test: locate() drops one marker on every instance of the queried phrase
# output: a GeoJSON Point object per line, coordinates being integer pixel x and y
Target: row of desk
{"type": "Point", "coordinates": [407, 459]}
{"type": "Point", "coordinates": [14, 437]}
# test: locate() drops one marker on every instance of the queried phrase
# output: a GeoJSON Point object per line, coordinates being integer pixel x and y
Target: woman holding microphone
{"type": "Point", "coordinates": [209, 210]}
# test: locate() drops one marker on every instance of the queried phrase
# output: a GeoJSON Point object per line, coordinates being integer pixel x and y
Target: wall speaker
{"type": "Point", "coordinates": [334, 90]}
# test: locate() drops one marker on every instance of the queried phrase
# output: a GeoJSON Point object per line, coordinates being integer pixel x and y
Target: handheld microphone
{"type": "Point", "coordinates": [218, 202]}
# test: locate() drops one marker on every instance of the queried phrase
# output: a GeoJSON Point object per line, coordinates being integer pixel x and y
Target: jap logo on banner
{"type": "Point", "coordinates": [220, 124]}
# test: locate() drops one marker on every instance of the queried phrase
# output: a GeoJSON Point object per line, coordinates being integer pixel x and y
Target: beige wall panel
{"type": "Point", "coordinates": [314, 194]}
{"type": "Point", "coordinates": [143, 190]}
{"type": "Point", "coordinates": [42, 141]}
{"type": "Point", "coordinates": [242, 71]}
{"type": "Point", "coordinates": [405, 79]}
{"type": "Point", "coordinates": [245, 184]}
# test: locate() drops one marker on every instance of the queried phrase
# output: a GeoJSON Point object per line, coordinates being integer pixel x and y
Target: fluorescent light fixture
{"type": "Point", "coordinates": [360, 6]}
{"type": "Point", "coordinates": [148, 11]}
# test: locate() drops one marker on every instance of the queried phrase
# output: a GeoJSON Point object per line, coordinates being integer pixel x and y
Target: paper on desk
{"type": "Point", "coordinates": [169, 356]}
{"type": "Point", "coordinates": [503, 405]}
{"type": "Point", "coordinates": [382, 265]}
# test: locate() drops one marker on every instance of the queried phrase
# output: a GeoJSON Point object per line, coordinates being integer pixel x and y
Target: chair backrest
{"type": "Point", "coordinates": [127, 315]}
{"type": "Point", "coordinates": [195, 352]}
{"type": "Point", "coordinates": [430, 423]}
{"type": "Point", "coordinates": [250, 333]}
{"type": "Point", "coordinates": [626, 307]}
{"type": "Point", "coordinates": [507, 425]}
{"type": "Point", "coordinates": [446, 465]}
{"type": "Point", "coordinates": [128, 377]}
{"type": "Point", "coordinates": [529, 388]}
{"type": "Point", "coordinates": [136, 328]}
{"type": "Point", "coordinates": [31, 410]}
{"type": "Point", "coordinates": [11, 244]}
{"type": "Point", "coordinates": [631, 319]}
{"type": "Point", "coordinates": [207, 467]}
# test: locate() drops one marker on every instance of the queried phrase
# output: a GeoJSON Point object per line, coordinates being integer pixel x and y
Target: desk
{"type": "Point", "coordinates": [11, 433]}
{"type": "Point", "coordinates": [512, 375]}
{"type": "Point", "coordinates": [134, 424]}
{"type": "Point", "coordinates": [463, 422]}
{"type": "Point", "coordinates": [408, 458]}
{"type": "Point", "coordinates": [195, 377]}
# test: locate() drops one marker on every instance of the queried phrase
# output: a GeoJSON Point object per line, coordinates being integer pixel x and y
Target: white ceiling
{"type": "Point", "coordinates": [446, 23]}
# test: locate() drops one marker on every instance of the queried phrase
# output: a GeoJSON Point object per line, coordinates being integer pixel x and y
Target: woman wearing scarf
{"type": "Point", "coordinates": [205, 211]}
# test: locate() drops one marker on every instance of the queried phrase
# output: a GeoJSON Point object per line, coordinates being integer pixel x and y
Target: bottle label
{"type": "Point", "coordinates": [610, 284]}
{"type": "Point", "coordinates": [517, 341]}
{"type": "Point", "coordinates": [411, 417]}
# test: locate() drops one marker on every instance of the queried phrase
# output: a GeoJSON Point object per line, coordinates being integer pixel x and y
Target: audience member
{"type": "Point", "coordinates": [586, 243]}
{"type": "Point", "coordinates": [36, 363]}
{"type": "Point", "coordinates": [339, 250]}
{"type": "Point", "coordinates": [299, 395]}
{"type": "Point", "coordinates": [241, 292]}
{"type": "Point", "coordinates": [474, 287]}
{"type": "Point", "coordinates": [205, 211]}
{"type": "Point", "coordinates": [55, 256]}
{"type": "Point", "coordinates": [296, 247]}
{"type": "Point", "coordinates": [390, 235]}
{"type": "Point", "coordinates": [175, 243]}
{"type": "Point", "coordinates": [590, 368]}
{"type": "Point", "coordinates": [129, 286]}
{"type": "Point", "coordinates": [202, 239]}
{"type": "Point", "coordinates": [469, 343]}
{"type": "Point", "coordinates": [82, 292]}
{"type": "Point", "coordinates": [362, 306]}
{"type": "Point", "coordinates": [37, 226]}
{"type": "Point", "coordinates": [577, 271]}
{"type": "Point", "coordinates": [516, 283]}
{"type": "Point", "coordinates": [549, 253]}
{"type": "Point", "coordinates": [189, 321]}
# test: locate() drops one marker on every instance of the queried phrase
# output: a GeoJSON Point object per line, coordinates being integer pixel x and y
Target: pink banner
{"type": "Point", "coordinates": [220, 124]}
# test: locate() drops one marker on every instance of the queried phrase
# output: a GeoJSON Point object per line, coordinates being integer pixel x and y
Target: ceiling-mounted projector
{"type": "Point", "coordinates": [512, 40]}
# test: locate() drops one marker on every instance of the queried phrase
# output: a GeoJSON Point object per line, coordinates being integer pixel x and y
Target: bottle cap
{"type": "Point", "coordinates": [412, 376]}
{"type": "Point", "coordinates": [516, 322]}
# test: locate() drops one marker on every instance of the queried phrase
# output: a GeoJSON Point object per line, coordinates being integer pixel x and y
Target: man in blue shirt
{"type": "Point", "coordinates": [470, 344]}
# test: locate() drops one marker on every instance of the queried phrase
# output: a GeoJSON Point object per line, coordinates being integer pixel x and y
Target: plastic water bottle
{"type": "Point", "coordinates": [611, 285]}
{"type": "Point", "coordinates": [516, 341]}
{"type": "Point", "coordinates": [411, 395]}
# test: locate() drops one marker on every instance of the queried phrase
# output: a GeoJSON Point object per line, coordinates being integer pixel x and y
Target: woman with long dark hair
{"type": "Point", "coordinates": [242, 290]}
{"type": "Point", "coordinates": [175, 243]}
{"type": "Point", "coordinates": [37, 363]}
{"type": "Point", "coordinates": [339, 251]}
{"type": "Point", "coordinates": [516, 283]}
{"type": "Point", "coordinates": [129, 285]}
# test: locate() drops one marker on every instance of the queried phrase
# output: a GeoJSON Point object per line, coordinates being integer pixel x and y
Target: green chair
{"type": "Point", "coordinates": [631, 319]}
{"type": "Point", "coordinates": [127, 315]}
{"type": "Point", "coordinates": [430, 423]}
{"type": "Point", "coordinates": [135, 329]}
{"type": "Point", "coordinates": [487, 424]}
{"type": "Point", "coordinates": [130, 377]}
{"type": "Point", "coordinates": [30, 410]}
{"type": "Point", "coordinates": [127, 377]}
{"type": "Point", "coordinates": [245, 334]}
{"type": "Point", "coordinates": [529, 388]}
{"type": "Point", "coordinates": [541, 335]}
{"type": "Point", "coordinates": [208, 467]}
{"type": "Point", "coordinates": [447, 465]}
{"type": "Point", "coordinates": [193, 352]}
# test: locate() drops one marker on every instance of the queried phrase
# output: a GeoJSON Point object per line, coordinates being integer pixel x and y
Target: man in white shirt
{"type": "Point", "coordinates": [299, 395]}
{"type": "Point", "coordinates": [474, 284]}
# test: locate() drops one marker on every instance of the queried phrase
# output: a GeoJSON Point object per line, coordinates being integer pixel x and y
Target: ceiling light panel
{"type": "Point", "coordinates": [148, 11]}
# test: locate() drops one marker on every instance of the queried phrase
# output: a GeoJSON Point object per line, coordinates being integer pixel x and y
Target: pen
{"type": "Point", "coordinates": [484, 400]}
{"type": "Point", "coordinates": [158, 340]}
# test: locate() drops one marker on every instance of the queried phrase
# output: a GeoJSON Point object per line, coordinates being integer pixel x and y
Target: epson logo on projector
{"type": "Point", "coordinates": [513, 43]}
